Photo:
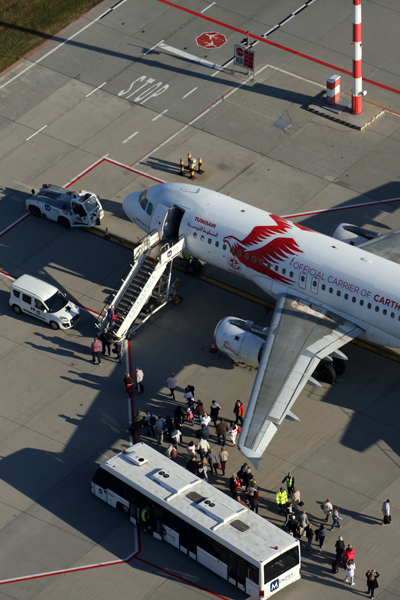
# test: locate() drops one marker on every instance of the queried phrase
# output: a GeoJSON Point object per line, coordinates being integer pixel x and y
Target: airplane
{"type": "Point", "coordinates": [328, 291]}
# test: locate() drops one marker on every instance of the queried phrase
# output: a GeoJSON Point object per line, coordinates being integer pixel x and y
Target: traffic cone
{"type": "Point", "coordinates": [213, 348]}
{"type": "Point", "coordinates": [107, 234]}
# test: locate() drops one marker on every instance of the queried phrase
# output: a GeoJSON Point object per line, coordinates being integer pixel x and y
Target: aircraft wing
{"type": "Point", "coordinates": [300, 335]}
{"type": "Point", "coordinates": [387, 246]}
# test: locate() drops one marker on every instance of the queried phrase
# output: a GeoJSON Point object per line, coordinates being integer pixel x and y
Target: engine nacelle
{"type": "Point", "coordinates": [236, 338]}
{"type": "Point", "coordinates": [353, 235]}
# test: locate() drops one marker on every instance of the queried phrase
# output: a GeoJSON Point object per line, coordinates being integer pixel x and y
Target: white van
{"type": "Point", "coordinates": [43, 301]}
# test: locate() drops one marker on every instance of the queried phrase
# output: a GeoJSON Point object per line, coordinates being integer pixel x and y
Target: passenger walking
{"type": "Point", "coordinates": [281, 499]}
{"type": "Point", "coordinates": [139, 376]}
{"type": "Point", "coordinates": [118, 348]}
{"type": "Point", "coordinates": [187, 395]}
{"type": "Point", "coordinates": [289, 480]}
{"type": "Point", "coordinates": [171, 452]}
{"type": "Point", "coordinates": [340, 546]}
{"type": "Point", "coordinates": [148, 423]}
{"type": "Point", "coordinates": [387, 519]}
{"type": "Point", "coordinates": [171, 383]}
{"type": "Point", "coordinates": [292, 525]}
{"type": "Point", "coordinates": [223, 457]}
{"type": "Point", "coordinates": [190, 415]}
{"type": "Point", "coordinates": [309, 536]}
{"type": "Point", "coordinates": [303, 522]}
{"type": "Point", "coordinates": [212, 460]}
{"type": "Point", "coordinates": [234, 485]}
{"type": "Point", "coordinates": [159, 428]}
{"type": "Point", "coordinates": [214, 412]}
{"type": "Point", "coordinates": [327, 508]}
{"type": "Point", "coordinates": [192, 465]}
{"type": "Point", "coordinates": [110, 315]}
{"type": "Point", "coordinates": [350, 568]}
{"type": "Point", "coordinates": [203, 432]}
{"type": "Point", "coordinates": [239, 412]}
{"type": "Point", "coordinates": [191, 449]}
{"type": "Point", "coordinates": [176, 435]}
{"type": "Point", "coordinates": [96, 347]}
{"type": "Point", "coordinates": [179, 413]}
{"type": "Point", "coordinates": [136, 426]}
{"type": "Point", "coordinates": [199, 410]}
{"type": "Point", "coordinates": [336, 518]}
{"type": "Point", "coordinates": [320, 536]}
{"type": "Point", "coordinates": [222, 430]}
{"type": "Point", "coordinates": [202, 470]}
{"type": "Point", "coordinates": [106, 340]}
{"type": "Point", "coordinates": [372, 583]}
{"type": "Point", "coordinates": [289, 511]}
{"type": "Point", "coordinates": [233, 432]}
{"type": "Point", "coordinates": [255, 501]}
{"type": "Point", "coordinates": [128, 385]}
{"type": "Point", "coordinates": [296, 498]}
{"type": "Point", "coordinates": [202, 448]}
{"type": "Point", "coordinates": [205, 419]}
{"type": "Point", "coordinates": [348, 554]}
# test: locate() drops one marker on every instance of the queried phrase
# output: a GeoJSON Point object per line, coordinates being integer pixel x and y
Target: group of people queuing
{"type": "Point", "coordinates": [245, 480]}
{"type": "Point", "coordinates": [298, 525]}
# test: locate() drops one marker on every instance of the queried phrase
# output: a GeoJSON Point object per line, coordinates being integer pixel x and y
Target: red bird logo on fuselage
{"type": "Point", "coordinates": [257, 255]}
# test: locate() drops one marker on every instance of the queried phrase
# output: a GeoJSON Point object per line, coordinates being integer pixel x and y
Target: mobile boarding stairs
{"type": "Point", "coordinates": [146, 287]}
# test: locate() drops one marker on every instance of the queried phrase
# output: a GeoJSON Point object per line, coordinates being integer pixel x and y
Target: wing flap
{"type": "Point", "coordinates": [300, 335]}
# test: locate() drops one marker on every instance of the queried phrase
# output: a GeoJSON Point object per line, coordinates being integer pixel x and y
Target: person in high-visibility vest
{"type": "Point", "coordinates": [281, 499]}
{"type": "Point", "coordinates": [145, 519]}
{"type": "Point", "coordinates": [289, 479]}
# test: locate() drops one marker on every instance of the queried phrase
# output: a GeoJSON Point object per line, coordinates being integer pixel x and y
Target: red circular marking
{"type": "Point", "coordinates": [239, 51]}
{"type": "Point", "coordinates": [211, 40]}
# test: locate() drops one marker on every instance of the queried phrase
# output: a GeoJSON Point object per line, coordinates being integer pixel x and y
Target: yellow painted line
{"type": "Point", "coordinates": [229, 288]}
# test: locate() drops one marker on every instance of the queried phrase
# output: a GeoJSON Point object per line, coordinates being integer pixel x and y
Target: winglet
{"type": "Point", "coordinates": [289, 415]}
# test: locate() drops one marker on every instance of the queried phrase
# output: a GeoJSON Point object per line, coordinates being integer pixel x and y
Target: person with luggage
{"type": "Point", "coordinates": [372, 583]}
{"type": "Point", "coordinates": [340, 546]}
{"type": "Point", "coordinates": [171, 452]}
{"type": "Point", "coordinates": [387, 519]}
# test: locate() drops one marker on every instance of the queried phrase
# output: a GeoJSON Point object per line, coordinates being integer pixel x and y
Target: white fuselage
{"type": "Point", "coordinates": [279, 256]}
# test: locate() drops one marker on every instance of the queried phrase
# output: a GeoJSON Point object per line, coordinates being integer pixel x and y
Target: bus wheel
{"type": "Point", "coordinates": [35, 211]}
{"type": "Point", "coordinates": [339, 366]}
{"type": "Point", "coordinates": [326, 373]}
{"type": "Point", "coordinates": [64, 222]}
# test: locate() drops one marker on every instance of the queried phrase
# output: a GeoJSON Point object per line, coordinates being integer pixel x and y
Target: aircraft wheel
{"type": "Point", "coordinates": [339, 365]}
{"type": "Point", "coordinates": [326, 373]}
{"type": "Point", "coordinates": [189, 270]}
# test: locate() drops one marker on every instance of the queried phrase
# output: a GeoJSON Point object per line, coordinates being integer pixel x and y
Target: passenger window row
{"type": "Point", "coordinates": [361, 301]}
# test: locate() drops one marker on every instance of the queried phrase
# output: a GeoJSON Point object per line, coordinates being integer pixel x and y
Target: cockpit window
{"type": "Point", "coordinates": [143, 200]}
{"type": "Point", "coordinates": [149, 208]}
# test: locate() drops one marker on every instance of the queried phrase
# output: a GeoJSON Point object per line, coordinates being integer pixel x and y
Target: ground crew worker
{"type": "Point", "coordinates": [289, 479]}
{"type": "Point", "coordinates": [281, 499]}
{"type": "Point", "coordinates": [145, 519]}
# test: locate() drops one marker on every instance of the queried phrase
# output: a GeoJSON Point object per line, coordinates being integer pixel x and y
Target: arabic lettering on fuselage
{"type": "Point", "coordinates": [202, 229]}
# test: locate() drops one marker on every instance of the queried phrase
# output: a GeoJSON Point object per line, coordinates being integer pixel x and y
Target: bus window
{"type": "Point", "coordinates": [281, 564]}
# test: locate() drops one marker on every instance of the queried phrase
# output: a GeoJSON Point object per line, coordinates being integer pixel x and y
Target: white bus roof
{"type": "Point", "coordinates": [210, 510]}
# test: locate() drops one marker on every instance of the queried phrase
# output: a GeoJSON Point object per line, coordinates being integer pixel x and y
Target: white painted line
{"type": "Point", "coordinates": [297, 76]}
{"type": "Point", "coordinates": [93, 91]}
{"type": "Point", "coordinates": [191, 91]}
{"type": "Point", "coordinates": [144, 53]}
{"type": "Point", "coordinates": [33, 64]}
{"type": "Point", "coordinates": [36, 132]}
{"type": "Point", "coordinates": [15, 223]}
{"type": "Point", "coordinates": [160, 115]}
{"type": "Point", "coordinates": [207, 7]}
{"type": "Point", "coordinates": [192, 57]}
{"type": "Point", "coordinates": [130, 137]}
{"type": "Point", "coordinates": [222, 68]}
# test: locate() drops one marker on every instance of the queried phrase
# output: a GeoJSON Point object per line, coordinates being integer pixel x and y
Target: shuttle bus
{"type": "Point", "coordinates": [199, 520]}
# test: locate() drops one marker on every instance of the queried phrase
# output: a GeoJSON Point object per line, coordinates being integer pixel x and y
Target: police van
{"type": "Point", "coordinates": [70, 209]}
{"type": "Point", "coordinates": [44, 301]}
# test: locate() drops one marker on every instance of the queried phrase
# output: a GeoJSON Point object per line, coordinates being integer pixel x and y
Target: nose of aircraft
{"type": "Point", "coordinates": [129, 205]}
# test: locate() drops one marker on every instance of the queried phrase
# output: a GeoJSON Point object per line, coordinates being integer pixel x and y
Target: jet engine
{"type": "Point", "coordinates": [353, 235]}
{"type": "Point", "coordinates": [240, 340]}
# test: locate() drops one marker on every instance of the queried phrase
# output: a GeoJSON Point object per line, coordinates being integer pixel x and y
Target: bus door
{"type": "Point", "coordinates": [237, 571]}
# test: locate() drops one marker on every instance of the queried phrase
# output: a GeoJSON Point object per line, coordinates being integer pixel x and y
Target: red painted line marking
{"type": "Point", "coordinates": [129, 168]}
{"type": "Point", "coordinates": [93, 166]}
{"type": "Point", "coordinates": [200, 587]}
{"type": "Point", "coordinates": [275, 45]}
{"type": "Point", "coordinates": [5, 274]}
{"type": "Point", "coordinates": [14, 224]}
{"type": "Point", "coordinates": [336, 209]}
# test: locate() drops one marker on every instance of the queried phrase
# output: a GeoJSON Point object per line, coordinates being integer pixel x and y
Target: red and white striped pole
{"type": "Point", "coordinates": [357, 94]}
